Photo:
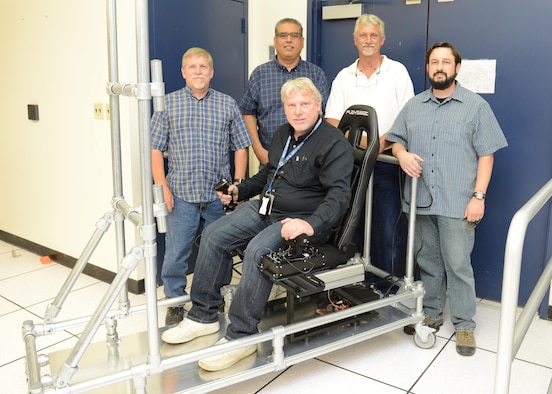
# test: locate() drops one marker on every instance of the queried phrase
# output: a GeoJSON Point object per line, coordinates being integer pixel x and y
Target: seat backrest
{"type": "Point", "coordinates": [360, 125]}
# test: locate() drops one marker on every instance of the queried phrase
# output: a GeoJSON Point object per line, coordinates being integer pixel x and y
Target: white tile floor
{"type": "Point", "coordinates": [388, 364]}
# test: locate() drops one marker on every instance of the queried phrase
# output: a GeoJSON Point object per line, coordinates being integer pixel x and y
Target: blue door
{"type": "Point", "coordinates": [216, 25]}
{"type": "Point", "coordinates": [331, 41]}
{"type": "Point", "coordinates": [514, 34]}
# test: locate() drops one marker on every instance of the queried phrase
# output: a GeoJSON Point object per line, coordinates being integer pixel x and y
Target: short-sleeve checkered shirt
{"type": "Point", "coordinates": [198, 136]}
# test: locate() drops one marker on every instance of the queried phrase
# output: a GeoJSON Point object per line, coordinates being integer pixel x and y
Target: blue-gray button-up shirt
{"type": "Point", "coordinates": [450, 137]}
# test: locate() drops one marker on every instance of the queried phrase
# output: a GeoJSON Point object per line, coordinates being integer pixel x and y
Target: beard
{"type": "Point", "coordinates": [368, 50]}
{"type": "Point", "coordinates": [443, 84]}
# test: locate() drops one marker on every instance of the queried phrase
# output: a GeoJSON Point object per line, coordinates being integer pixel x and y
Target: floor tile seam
{"type": "Point", "coordinates": [38, 350]}
{"type": "Point", "coordinates": [42, 349]}
{"type": "Point", "coordinates": [41, 318]}
{"type": "Point", "coordinates": [11, 362]}
{"type": "Point", "coordinates": [51, 299]}
{"type": "Point", "coordinates": [533, 363]}
{"type": "Point", "coordinates": [23, 273]}
{"type": "Point", "coordinates": [445, 337]}
{"type": "Point", "coordinates": [426, 369]}
{"type": "Point", "coordinates": [267, 384]}
{"type": "Point", "coordinates": [480, 347]}
{"type": "Point", "coordinates": [11, 302]}
{"type": "Point", "coordinates": [71, 336]}
{"type": "Point", "coordinates": [19, 309]}
{"type": "Point", "coordinates": [360, 374]}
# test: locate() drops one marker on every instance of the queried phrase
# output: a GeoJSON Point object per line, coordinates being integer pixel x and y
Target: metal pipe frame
{"type": "Point", "coordinates": [144, 220]}
{"type": "Point", "coordinates": [151, 199]}
{"type": "Point", "coordinates": [70, 366]}
{"type": "Point", "coordinates": [101, 228]}
{"type": "Point", "coordinates": [138, 374]}
{"type": "Point", "coordinates": [512, 333]}
{"type": "Point", "coordinates": [409, 272]}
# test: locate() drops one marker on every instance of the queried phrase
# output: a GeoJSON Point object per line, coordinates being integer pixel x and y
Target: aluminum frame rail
{"type": "Point", "coordinates": [138, 373]}
{"type": "Point", "coordinates": [144, 220]}
{"type": "Point", "coordinates": [511, 332]}
{"type": "Point", "coordinates": [409, 276]}
{"type": "Point", "coordinates": [152, 206]}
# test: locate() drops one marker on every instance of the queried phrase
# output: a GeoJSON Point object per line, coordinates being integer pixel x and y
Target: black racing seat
{"type": "Point", "coordinates": [296, 266]}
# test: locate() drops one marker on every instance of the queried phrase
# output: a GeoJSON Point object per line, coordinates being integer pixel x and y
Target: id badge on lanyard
{"type": "Point", "coordinates": [266, 204]}
{"type": "Point", "coordinates": [268, 199]}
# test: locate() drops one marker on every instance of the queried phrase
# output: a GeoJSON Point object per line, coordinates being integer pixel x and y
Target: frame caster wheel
{"type": "Point", "coordinates": [427, 343]}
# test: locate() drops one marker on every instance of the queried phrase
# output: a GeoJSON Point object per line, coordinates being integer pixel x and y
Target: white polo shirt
{"type": "Point", "coordinates": [387, 91]}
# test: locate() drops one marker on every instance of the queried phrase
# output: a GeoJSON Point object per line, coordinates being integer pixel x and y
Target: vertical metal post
{"type": "Point", "coordinates": [507, 347]}
{"type": "Point", "coordinates": [409, 275]}
{"type": "Point", "coordinates": [148, 228]}
{"type": "Point", "coordinates": [115, 123]}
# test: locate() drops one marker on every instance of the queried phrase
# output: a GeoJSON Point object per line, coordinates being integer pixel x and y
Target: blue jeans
{"type": "Point", "coordinates": [243, 227]}
{"type": "Point", "coordinates": [443, 247]}
{"type": "Point", "coordinates": [183, 223]}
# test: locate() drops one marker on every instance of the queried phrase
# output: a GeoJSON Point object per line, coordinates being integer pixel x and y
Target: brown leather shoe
{"type": "Point", "coordinates": [465, 343]}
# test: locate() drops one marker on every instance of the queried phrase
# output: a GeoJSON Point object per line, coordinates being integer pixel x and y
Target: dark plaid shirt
{"type": "Point", "coordinates": [262, 96]}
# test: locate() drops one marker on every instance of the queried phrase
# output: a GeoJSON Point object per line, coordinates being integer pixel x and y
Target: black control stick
{"type": "Point", "coordinates": [222, 186]}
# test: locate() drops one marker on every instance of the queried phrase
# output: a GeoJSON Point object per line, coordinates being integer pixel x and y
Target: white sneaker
{"type": "Point", "coordinates": [225, 360]}
{"type": "Point", "coordinates": [187, 330]}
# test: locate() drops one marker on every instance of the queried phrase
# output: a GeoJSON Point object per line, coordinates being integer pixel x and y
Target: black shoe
{"type": "Point", "coordinates": [435, 324]}
{"type": "Point", "coordinates": [174, 315]}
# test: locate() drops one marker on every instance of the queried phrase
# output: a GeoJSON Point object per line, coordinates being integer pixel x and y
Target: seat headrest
{"type": "Point", "coordinates": [361, 124]}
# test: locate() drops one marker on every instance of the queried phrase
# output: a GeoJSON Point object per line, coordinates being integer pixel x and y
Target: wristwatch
{"type": "Point", "coordinates": [479, 195]}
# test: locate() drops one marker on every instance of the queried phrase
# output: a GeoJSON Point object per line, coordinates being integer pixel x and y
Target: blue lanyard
{"type": "Point", "coordinates": [285, 158]}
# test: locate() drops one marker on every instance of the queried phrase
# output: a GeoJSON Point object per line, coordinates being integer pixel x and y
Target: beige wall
{"type": "Point", "coordinates": [263, 15]}
{"type": "Point", "coordinates": [56, 173]}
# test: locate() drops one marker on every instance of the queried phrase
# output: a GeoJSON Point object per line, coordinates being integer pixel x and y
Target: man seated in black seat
{"type": "Point", "coordinates": [304, 189]}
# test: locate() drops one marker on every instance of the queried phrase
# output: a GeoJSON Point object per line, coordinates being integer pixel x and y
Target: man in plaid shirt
{"type": "Point", "coordinates": [197, 130]}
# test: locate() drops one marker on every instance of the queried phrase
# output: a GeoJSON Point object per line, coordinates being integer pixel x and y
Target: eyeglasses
{"type": "Point", "coordinates": [283, 35]}
{"type": "Point", "coordinates": [473, 225]}
{"type": "Point", "coordinates": [365, 82]}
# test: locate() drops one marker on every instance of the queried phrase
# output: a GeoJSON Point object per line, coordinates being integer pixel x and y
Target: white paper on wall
{"type": "Point", "coordinates": [479, 76]}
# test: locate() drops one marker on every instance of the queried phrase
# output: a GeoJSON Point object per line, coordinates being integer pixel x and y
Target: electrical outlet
{"type": "Point", "coordinates": [98, 111]}
{"type": "Point", "coordinates": [107, 111]}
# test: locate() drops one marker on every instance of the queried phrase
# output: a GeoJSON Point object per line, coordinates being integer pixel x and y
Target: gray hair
{"type": "Point", "coordinates": [301, 85]}
{"type": "Point", "coordinates": [369, 19]}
